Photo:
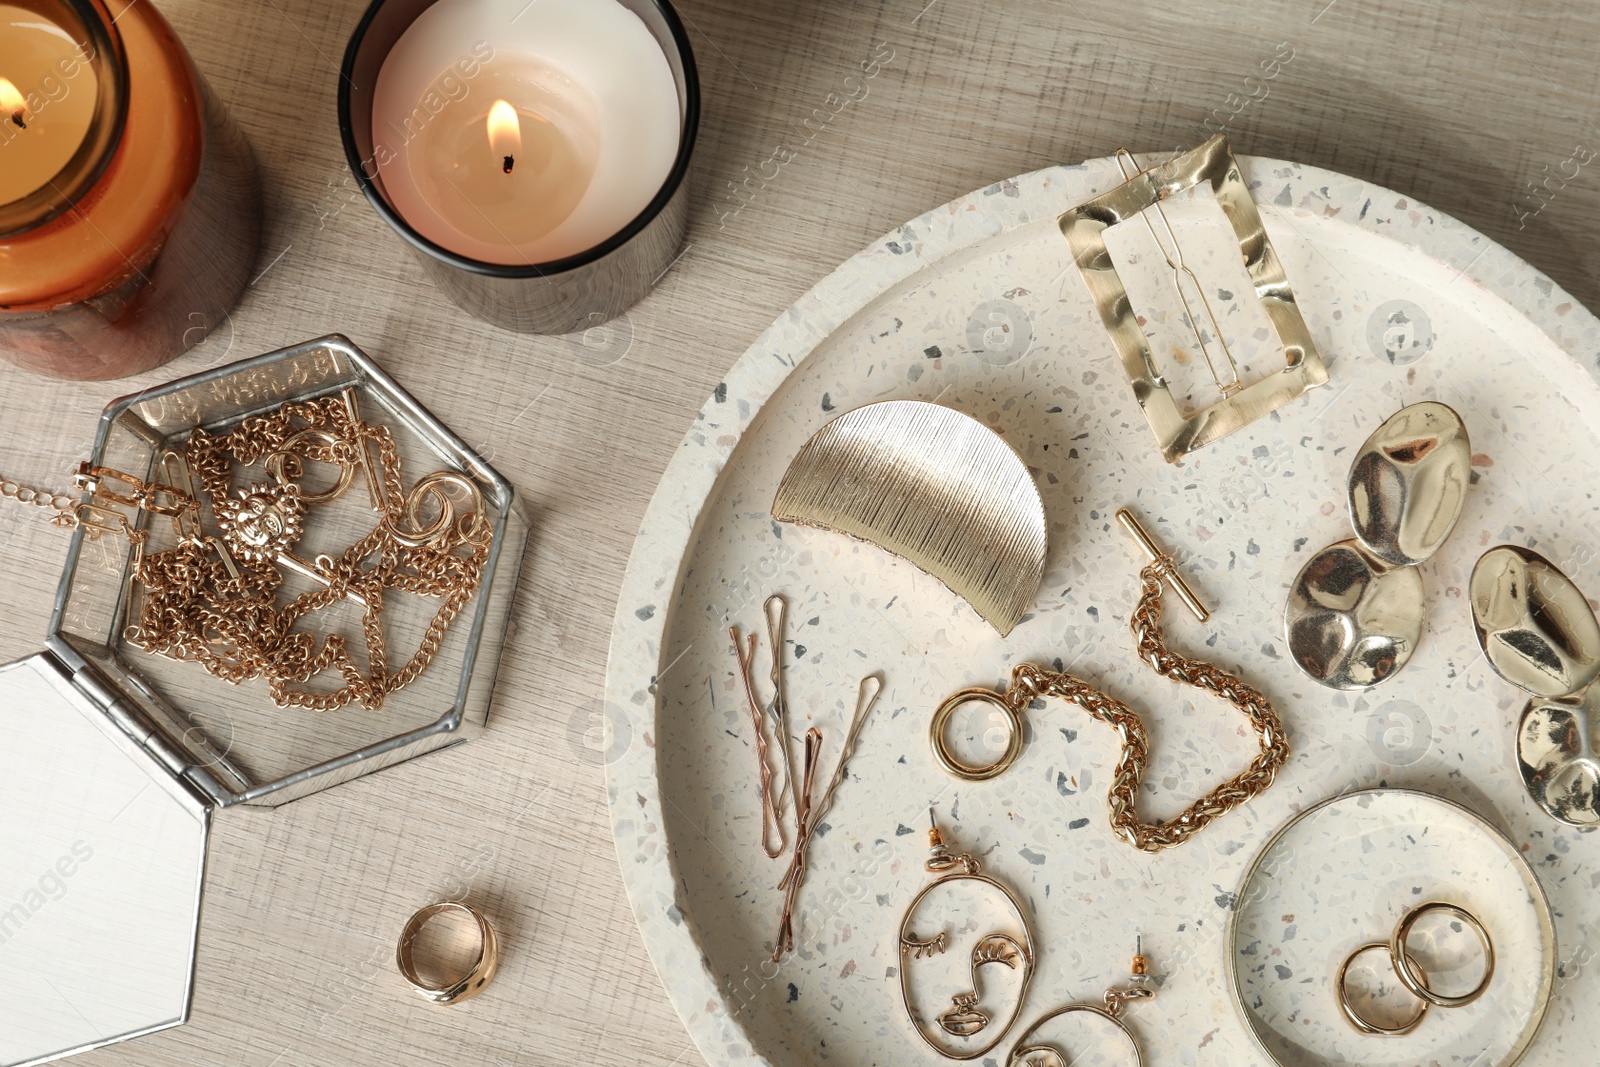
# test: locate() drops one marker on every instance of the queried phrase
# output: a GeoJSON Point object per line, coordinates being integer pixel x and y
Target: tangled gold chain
{"type": "Point", "coordinates": [1029, 681]}
{"type": "Point", "coordinates": [213, 600]}
{"type": "Point", "coordinates": [227, 619]}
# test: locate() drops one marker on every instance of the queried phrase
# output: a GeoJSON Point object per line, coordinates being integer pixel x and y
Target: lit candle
{"type": "Point", "coordinates": [47, 100]}
{"type": "Point", "coordinates": [511, 132]}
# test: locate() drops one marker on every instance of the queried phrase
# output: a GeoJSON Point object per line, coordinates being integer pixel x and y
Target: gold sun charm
{"type": "Point", "coordinates": [264, 521]}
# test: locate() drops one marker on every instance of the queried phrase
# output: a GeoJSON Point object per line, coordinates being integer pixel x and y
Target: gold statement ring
{"type": "Point", "coordinates": [460, 989]}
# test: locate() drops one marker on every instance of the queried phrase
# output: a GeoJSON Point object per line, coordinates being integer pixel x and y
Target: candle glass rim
{"type": "Point", "coordinates": [100, 142]}
{"type": "Point", "coordinates": [658, 203]}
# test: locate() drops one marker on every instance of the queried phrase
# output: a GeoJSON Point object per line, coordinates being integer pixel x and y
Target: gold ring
{"type": "Point", "coordinates": [460, 989]}
{"type": "Point", "coordinates": [984, 771]}
{"type": "Point", "coordinates": [1365, 1026]}
{"type": "Point", "coordinates": [1403, 961]}
{"type": "Point", "coordinates": [442, 527]}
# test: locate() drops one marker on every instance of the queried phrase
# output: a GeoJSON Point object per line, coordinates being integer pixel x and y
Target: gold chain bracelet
{"type": "Point", "coordinates": [1029, 682]}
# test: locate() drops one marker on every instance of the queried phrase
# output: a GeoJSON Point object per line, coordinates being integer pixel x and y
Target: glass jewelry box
{"type": "Point", "coordinates": [101, 882]}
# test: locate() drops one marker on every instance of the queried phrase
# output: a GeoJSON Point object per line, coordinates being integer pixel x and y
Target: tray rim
{"type": "Point", "coordinates": [633, 793]}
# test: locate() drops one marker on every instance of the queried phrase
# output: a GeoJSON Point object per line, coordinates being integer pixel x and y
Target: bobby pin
{"type": "Point", "coordinates": [802, 838]}
{"type": "Point", "coordinates": [771, 824]}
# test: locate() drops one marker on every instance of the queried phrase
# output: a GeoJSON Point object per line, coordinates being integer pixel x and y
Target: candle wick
{"type": "Point", "coordinates": [510, 162]}
{"type": "Point", "coordinates": [16, 117]}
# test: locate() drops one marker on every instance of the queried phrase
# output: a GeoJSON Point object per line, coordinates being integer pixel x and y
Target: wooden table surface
{"type": "Point", "coordinates": [1466, 105]}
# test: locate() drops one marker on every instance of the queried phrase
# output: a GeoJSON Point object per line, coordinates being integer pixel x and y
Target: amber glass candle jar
{"type": "Point", "coordinates": [141, 241]}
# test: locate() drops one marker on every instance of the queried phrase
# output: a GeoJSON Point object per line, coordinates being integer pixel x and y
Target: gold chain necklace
{"type": "Point", "coordinates": [1029, 681]}
{"type": "Point", "coordinates": [214, 599]}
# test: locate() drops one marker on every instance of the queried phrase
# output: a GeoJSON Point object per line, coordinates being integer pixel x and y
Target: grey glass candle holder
{"type": "Point", "coordinates": [561, 296]}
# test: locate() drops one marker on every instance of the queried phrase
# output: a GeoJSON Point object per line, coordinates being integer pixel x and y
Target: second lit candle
{"type": "Point", "coordinates": [518, 133]}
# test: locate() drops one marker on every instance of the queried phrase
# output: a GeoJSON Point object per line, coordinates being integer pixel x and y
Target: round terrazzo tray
{"type": "Point", "coordinates": [977, 305]}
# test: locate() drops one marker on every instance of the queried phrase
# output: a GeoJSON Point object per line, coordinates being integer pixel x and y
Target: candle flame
{"type": "Point", "coordinates": [12, 105]}
{"type": "Point", "coordinates": [505, 130]}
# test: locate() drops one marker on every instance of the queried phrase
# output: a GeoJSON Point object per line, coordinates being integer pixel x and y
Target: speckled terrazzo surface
{"type": "Point", "coordinates": [975, 305]}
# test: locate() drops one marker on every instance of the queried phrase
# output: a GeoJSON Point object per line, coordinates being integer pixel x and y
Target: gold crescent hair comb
{"type": "Point", "coordinates": [932, 486]}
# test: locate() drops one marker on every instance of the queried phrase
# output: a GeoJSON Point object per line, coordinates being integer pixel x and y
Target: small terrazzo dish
{"type": "Point", "coordinates": [1341, 875]}
{"type": "Point", "coordinates": [977, 305]}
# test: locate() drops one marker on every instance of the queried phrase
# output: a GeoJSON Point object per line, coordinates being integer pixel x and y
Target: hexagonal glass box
{"type": "Point", "coordinates": [116, 757]}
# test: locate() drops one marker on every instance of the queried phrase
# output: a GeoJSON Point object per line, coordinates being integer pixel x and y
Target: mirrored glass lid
{"type": "Point", "coordinates": [101, 859]}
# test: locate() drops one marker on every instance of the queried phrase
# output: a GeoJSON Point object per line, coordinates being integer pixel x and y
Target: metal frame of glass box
{"type": "Point", "coordinates": [222, 397]}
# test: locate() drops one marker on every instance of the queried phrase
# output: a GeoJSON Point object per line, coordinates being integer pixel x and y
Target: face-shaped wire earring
{"type": "Point", "coordinates": [1116, 999]}
{"type": "Point", "coordinates": [969, 1014]}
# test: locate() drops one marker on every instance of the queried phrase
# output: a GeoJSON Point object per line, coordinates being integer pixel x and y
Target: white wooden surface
{"type": "Point", "coordinates": [1462, 104]}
